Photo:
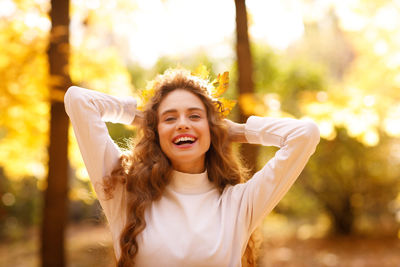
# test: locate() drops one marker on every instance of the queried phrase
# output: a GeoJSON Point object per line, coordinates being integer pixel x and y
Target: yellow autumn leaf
{"type": "Point", "coordinates": [227, 106]}
{"type": "Point", "coordinates": [220, 84]}
{"type": "Point", "coordinates": [146, 94]}
{"type": "Point", "coordinates": [201, 72]}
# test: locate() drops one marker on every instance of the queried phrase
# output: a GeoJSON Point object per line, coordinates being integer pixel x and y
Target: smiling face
{"type": "Point", "coordinates": [183, 130]}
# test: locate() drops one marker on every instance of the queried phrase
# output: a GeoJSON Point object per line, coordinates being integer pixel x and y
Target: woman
{"type": "Point", "coordinates": [178, 199]}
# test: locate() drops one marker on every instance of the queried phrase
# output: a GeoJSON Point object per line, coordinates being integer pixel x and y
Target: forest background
{"type": "Point", "coordinates": [335, 62]}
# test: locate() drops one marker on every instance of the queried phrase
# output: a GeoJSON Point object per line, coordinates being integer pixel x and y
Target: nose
{"type": "Point", "coordinates": [183, 124]}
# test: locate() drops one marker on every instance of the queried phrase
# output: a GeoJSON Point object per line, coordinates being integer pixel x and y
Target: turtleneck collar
{"type": "Point", "coordinates": [189, 183]}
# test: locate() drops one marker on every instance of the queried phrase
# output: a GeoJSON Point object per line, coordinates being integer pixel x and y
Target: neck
{"type": "Point", "coordinates": [189, 167]}
{"type": "Point", "coordinates": [187, 183]}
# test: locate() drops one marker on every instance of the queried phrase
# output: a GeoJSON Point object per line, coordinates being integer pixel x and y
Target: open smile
{"type": "Point", "coordinates": [184, 140]}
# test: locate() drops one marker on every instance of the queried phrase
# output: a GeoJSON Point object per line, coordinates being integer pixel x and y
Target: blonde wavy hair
{"type": "Point", "coordinates": [145, 171]}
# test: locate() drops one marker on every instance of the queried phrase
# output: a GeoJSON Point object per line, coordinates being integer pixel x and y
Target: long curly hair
{"type": "Point", "coordinates": [145, 170]}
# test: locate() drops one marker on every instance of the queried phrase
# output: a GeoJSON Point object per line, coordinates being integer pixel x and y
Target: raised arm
{"type": "Point", "coordinates": [88, 110]}
{"type": "Point", "coordinates": [297, 141]}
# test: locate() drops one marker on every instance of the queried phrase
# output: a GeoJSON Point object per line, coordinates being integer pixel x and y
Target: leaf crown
{"type": "Point", "coordinates": [200, 75]}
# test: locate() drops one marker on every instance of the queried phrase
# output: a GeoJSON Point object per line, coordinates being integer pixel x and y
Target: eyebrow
{"type": "Point", "coordinates": [175, 110]}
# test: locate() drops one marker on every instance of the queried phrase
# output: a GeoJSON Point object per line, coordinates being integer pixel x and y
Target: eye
{"type": "Point", "coordinates": [169, 119]}
{"type": "Point", "coordinates": [194, 116]}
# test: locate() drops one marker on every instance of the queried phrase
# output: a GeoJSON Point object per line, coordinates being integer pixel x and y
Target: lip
{"type": "Point", "coordinates": [184, 145]}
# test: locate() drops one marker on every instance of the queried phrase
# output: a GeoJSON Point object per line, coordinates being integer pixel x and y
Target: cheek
{"type": "Point", "coordinates": [207, 134]}
{"type": "Point", "coordinates": [162, 135]}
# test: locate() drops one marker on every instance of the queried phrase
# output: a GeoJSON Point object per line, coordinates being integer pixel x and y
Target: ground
{"type": "Point", "coordinates": [345, 251]}
{"type": "Point", "coordinates": [90, 245]}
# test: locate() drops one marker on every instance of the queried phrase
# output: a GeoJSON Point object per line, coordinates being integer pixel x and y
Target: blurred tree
{"type": "Point", "coordinates": [25, 100]}
{"type": "Point", "coordinates": [326, 43]}
{"type": "Point", "coordinates": [283, 79]}
{"type": "Point", "coordinates": [336, 84]}
{"type": "Point", "coordinates": [55, 202]}
{"type": "Point", "coordinates": [18, 208]}
{"type": "Point", "coordinates": [358, 115]}
{"type": "Point", "coordinates": [353, 183]}
{"type": "Point", "coordinates": [245, 76]}
{"type": "Point", "coordinates": [23, 115]}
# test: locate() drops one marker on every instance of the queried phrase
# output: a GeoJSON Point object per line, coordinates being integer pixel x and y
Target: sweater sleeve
{"type": "Point", "coordinates": [297, 141]}
{"type": "Point", "coordinates": [88, 111]}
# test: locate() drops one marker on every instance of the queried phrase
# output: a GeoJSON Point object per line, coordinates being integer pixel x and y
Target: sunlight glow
{"type": "Point", "coordinates": [93, 4]}
{"type": "Point", "coordinates": [387, 18]}
{"type": "Point", "coordinates": [35, 20]}
{"type": "Point", "coordinates": [369, 100]}
{"type": "Point", "coordinates": [7, 8]}
{"type": "Point", "coordinates": [380, 47]}
{"type": "Point", "coordinates": [394, 61]}
{"type": "Point", "coordinates": [272, 102]}
{"type": "Point", "coordinates": [361, 124]}
{"type": "Point", "coordinates": [37, 169]}
{"type": "Point", "coordinates": [157, 28]}
{"type": "Point", "coordinates": [391, 123]}
{"type": "Point", "coordinates": [327, 130]}
{"type": "Point", "coordinates": [82, 174]}
{"type": "Point", "coordinates": [370, 138]}
{"type": "Point", "coordinates": [354, 111]}
{"type": "Point", "coordinates": [279, 23]}
{"type": "Point", "coordinates": [392, 126]}
{"type": "Point", "coordinates": [339, 116]}
{"type": "Point", "coordinates": [164, 28]}
{"type": "Point", "coordinates": [350, 20]}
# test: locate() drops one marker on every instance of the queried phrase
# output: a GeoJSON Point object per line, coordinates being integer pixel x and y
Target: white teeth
{"type": "Point", "coordinates": [182, 139]}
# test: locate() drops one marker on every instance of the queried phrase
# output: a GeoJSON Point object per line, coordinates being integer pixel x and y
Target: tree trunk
{"type": "Point", "coordinates": [55, 211]}
{"type": "Point", "coordinates": [245, 73]}
{"type": "Point", "coordinates": [336, 201]}
{"type": "Point", "coordinates": [343, 219]}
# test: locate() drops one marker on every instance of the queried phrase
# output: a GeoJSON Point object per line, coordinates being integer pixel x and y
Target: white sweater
{"type": "Point", "coordinates": [192, 224]}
